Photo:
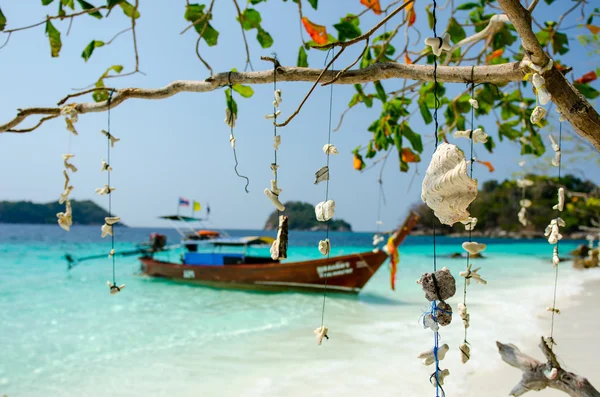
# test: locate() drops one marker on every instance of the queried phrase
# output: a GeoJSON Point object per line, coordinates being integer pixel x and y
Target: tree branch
{"type": "Point", "coordinates": [379, 71]}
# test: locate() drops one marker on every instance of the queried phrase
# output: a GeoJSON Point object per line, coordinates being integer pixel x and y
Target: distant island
{"type": "Point", "coordinates": [302, 217]}
{"type": "Point", "coordinates": [85, 212]}
{"type": "Point", "coordinates": [497, 205]}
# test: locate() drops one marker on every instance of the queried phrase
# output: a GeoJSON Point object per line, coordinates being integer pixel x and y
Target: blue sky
{"type": "Point", "coordinates": [180, 146]}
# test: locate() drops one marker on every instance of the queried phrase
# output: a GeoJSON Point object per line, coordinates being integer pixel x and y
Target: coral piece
{"type": "Point", "coordinates": [114, 289]}
{"type": "Point", "coordinates": [276, 142]}
{"type": "Point", "coordinates": [273, 195]}
{"type": "Point", "coordinates": [556, 159]}
{"type": "Point", "coordinates": [472, 274]}
{"type": "Point", "coordinates": [325, 210]}
{"type": "Point", "coordinates": [555, 146]}
{"type": "Point", "coordinates": [377, 239]}
{"type": "Point", "coordinates": [464, 315]}
{"type": "Point", "coordinates": [112, 220]}
{"type": "Point", "coordinates": [478, 135]}
{"type": "Point", "coordinates": [279, 246]}
{"type": "Point", "coordinates": [525, 203]}
{"type": "Point", "coordinates": [439, 44]}
{"type": "Point", "coordinates": [112, 138]}
{"type": "Point", "coordinates": [542, 93]}
{"type": "Point", "coordinates": [428, 356]}
{"type": "Point", "coordinates": [474, 103]}
{"type": "Point", "coordinates": [473, 247]}
{"type": "Point", "coordinates": [106, 230]}
{"type": "Point", "coordinates": [552, 231]}
{"type": "Point", "coordinates": [105, 166]}
{"type": "Point", "coordinates": [538, 81]}
{"type": "Point", "coordinates": [521, 216]}
{"type": "Point", "coordinates": [439, 285]}
{"type": "Point", "coordinates": [65, 219]}
{"type": "Point", "coordinates": [523, 183]}
{"type": "Point", "coordinates": [429, 322]}
{"type": "Point", "coordinates": [537, 115]}
{"type": "Point", "coordinates": [65, 196]}
{"type": "Point", "coordinates": [447, 189]}
{"type": "Point", "coordinates": [465, 352]}
{"type": "Point", "coordinates": [274, 168]}
{"type": "Point", "coordinates": [272, 115]}
{"type": "Point", "coordinates": [330, 149]}
{"type": "Point", "coordinates": [67, 179]}
{"type": "Point", "coordinates": [440, 377]}
{"type": "Point", "coordinates": [324, 246]}
{"type": "Point", "coordinates": [555, 258]}
{"type": "Point", "coordinates": [321, 333]}
{"type": "Point", "coordinates": [322, 174]}
{"type": "Point", "coordinates": [230, 118]}
{"type": "Point", "coordinates": [232, 141]}
{"type": "Point", "coordinates": [277, 100]}
{"type": "Point", "coordinates": [469, 223]}
{"type": "Point", "coordinates": [111, 253]}
{"type": "Point", "coordinates": [444, 313]}
{"type": "Point", "coordinates": [561, 200]}
{"type": "Point", "coordinates": [105, 190]}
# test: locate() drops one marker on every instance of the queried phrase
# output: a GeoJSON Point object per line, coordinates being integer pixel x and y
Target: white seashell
{"type": "Point", "coordinates": [71, 126]}
{"type": "Point", "coordinates": [321, 333]}
{"type": "Point", "coordinates": [105, 190]}
{"type": "Point", "coordinates": [112, 220]}
{"type": "Point", "coordinates": [429, 322]}
{"type": "Point", "coordinates": [472, 274]}
{"type": "Point", "coordinates": [274, 168]}
{"type": "Point", "coordinates": [474, 103]}
{"type": "Point", "coordinates": [522, 163]}
{"type": "Point", "coordinates": [114, 289]}
{"type": "Point", "coordinates": [428, 356]}
{"type": "Point", "coordinates": [543, 96]}
{"type": "Point", "coordinates": [554, 236]}
{"type": "Point", "coordinates": [324, 246]}
{"type": "Point", "coordinates": [462, 134]}
{"type": "Point", "coordinates": [65, 196]}
{"type": "Point", "coordinates": [105, 166]}
{"type": "Point", "coordinates": [479, 136]}
{"type": "Point", "coordinates": [551, 374]}
{"type": "Point", "coordinates": [536, 68]}
{"type": "Point", "coordinates": [473, 247]}
{"type": "Point", "coordinates": [106, 230]}
{"type": "Point", "coordinates": [555, 146]}
{"type": "Point", "coordinates": [69, 166]}
{"type": "Point", "coordinates": [111, 253]}
{"type": "Point", "coordinates": [330, 149]}
{"type": "Point", "coordinates": [67, 179]}
{"type": "Point", "coordinates": [469, 223]}
{"type": "Point", "coordinates": [555, 258]}
{"type": "Point", "coordinates": [447, 189]}
{"type": "Point", "coordinates": [232, 141]}
{"type": "Point", "coordinates": [561, 118]}
{"type": "Point", "coordinates": [465, 351]}
{"type": "Point", "coordinates": [521, 216]}
{"type": "Point", "coordinates": [322, 174]}
{"type": "Point", "coordinates": [438, 44]}
{"type": "Point", "coordinates": [65, 219]}
{"type": "Point", "coordinates": [462, 311]}
{"type": "Point", "coordinates": [440, 377]}
{"type": "Point", "coordinates": [230, 118]}
{"type": "Point", "coordinates": [525, 203]}
{"type": "Point", "coordinates": [276, 141]}
{"type": "Point", "coordinates": [325, 210]}
{"type": "Point", "coordinates": [272, 115]}
{"type": "Point", "coordinates": [537, 115]}
{"type": "Point", "coordinates": [524, 183]}
{"type": "Point", "coordinates": [279, 246]}
{"type": "Point", "coordinates": [274, 197]}
{"type": "Point", "coordinates": [561, 200]}
{"type": "Point", "coordinates": [377, 239]}
{"type": "Point", "coordinates": [556, 159]}
{"type": "Point", "coordinates": [112, 138]}
{"type": "Point", "coordinates": [538, 81]}
{"type": "Point", "coordinates": [277, 96]}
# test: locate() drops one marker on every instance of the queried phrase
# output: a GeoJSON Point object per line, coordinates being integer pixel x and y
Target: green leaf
{"type": "Point", "coordinates": [231, 104]}
{"type": "Point", "coordinates": [87, 6]}
{"type": "Point", "coordinates": [255, 2]}
{"type": "Point", "coordinates": [467, 6]}
{"type": "Point", "coordinates": [195, 12]}
{"type": "Point", "coordinates": [424, 109]}
{"type": "Point", "coordinates": [250, 19]}
{"type": "Point", "coordinates": [380, 91]}
{"type": "Point", "coordinates": [489, 144]}
{"type": "Point", "coordinates": [549, 1]}
{"type": "Point", "coordinates": [100, 95]}
{"type": "Point", "coordinates": [87, 52]}
{"type": "Point", "coordinates": [68, 3]}
{"type": "Point", "coordinates": [46, 2]}
{"type": "Point", "coordinates": [560, 43]}
{"type": "Point", "coordinates": [413, 137]}
{"type": "Point", "coordinates": [313, 3]}
{"type": "Point", "coordinates": [348, 28]}
{"type": "Point", "coordinates": [2, 20]}
{"type": "Point", "coordinates": [244, 90]}
{"type": "Point", "coordinates": [503, 38]}
{"type": "Point", "coordinates": [54, 37]}
{"type": "Point", "coordinates": [398, 139]}
{"type": "Point", "coordinates": [128, 9]}
{"type": "Point", "coordinates": [456, 31]}
{"type": "Point", "coordinates": [366, 59]}
{"type": "Point", "coordinates": [264, 38]}
{"type": "Point", "coordinates": [587, 90]}
{"type": "Point", "coordinates": [302, 58]}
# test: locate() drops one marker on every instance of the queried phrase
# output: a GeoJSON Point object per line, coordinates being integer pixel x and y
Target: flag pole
{"type": "Point", "coordinates": [178, 205]}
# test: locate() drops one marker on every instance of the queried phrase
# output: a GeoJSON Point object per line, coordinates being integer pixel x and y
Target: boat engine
{"type": "Point", "coordinates": [157, 242]}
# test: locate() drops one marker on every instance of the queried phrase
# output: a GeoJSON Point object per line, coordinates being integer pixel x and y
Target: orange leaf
{"type": "Point", "coordinates": [559, 66]}
{"type": "Point", "coordinates": [358, 163]}
{"type": "Point", "coordinates": [495, 54]}
{"type": "Point", "coordinates": [586, 78]}
{"type": "Point", "coordinates": [487, 164]}
{"type": "Point", "coordinates": [411, 15]}
{"type": "Point", "coordinates": [373, 5]}
{"type": "Point", "coordinates": [317, 32]}
{"type": "Point", "coordinates": [408, 156]}
{"type": "Point", "coordinates": [410, 6]}
{"type": "Point", "coordinates": [593, 29]}
{"type": "Point", "coordinates": [407, 59]}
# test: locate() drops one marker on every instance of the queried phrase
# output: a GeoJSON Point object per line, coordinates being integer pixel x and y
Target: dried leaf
{"type": "Point", "coordinates": [487, 164]}
{"type": "Point", "coordinates": [586, 78]}
{"type": "Point", "coordinates": [408, 156]}
{"type": "Point", "coordinates": [358, 163]}
{"type": "Point", "coordinates": [411, 15]}
{"type": "Point", "coordinates": [407, 60]}
{"type": "Point", "coordinates": [373, 5]}
{"type": "Point", "coordinates": [494, 55]}
{"type": "Point", "coordinates": [316, 32]}
{"type": "Point", "coordinates": [594, 29]}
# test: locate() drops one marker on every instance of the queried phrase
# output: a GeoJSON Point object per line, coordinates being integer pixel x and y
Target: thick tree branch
{"type": "Point", "coordinates": [576, 109]}
{"type": "Point", "coordinates": [380, 71]}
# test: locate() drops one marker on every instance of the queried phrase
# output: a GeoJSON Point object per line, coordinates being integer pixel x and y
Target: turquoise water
{"type": "Point", "coordinates": [63, 334]}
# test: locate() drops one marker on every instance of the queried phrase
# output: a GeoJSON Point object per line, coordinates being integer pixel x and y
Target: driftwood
{"type": "Point", "coordinates": [538, 376]}
{"type": "Point", "coordinates": [279, 247]}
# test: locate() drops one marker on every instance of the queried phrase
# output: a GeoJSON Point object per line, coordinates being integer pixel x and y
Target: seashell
{"type": "Point", "coordinates": [525, 203]}
{"type": "Point", "coordinates": [105, 166]}
{"type": "Point", "coordinates": [67, 179]}
{"type": "Point", "coordinates": [324, 246]}
{"type": "Point", "coordinates": [279, 246]}
{"type": "Point", "coordinates": [69, 166]}
{"type": "Point", "coordinates": [538, 81]}
{"type": "Point", "coordinates": [71, 126]}
{"type": "Point", "coordinates": [443, 314]}
{"type": "Point", "coordinates": [377, 239]}
{"type": "Point", "coordinates": [553, 309]}
{"type": "Point", "coordinates": [325, 210]}
{"type": "Point", "coordinates": [321, 333]}
{"type": "Point", "coordinates": [277, 96]}
{"type": "Point", "coordinates": [276, 141]}
{"type": "Point", "coordinates": [561, 200]}
{"type": "Point", "coordinates": [551, 373]}
{"type": "Point", "coordinates": [522, 163]}
{"type": "Point", "coordinates": [429, 322]}
{"type": "Point", "coordinates": [114, 289]}
{"type": "Point", "coordinates": [230, 118]}
{"type": "Point", "coordinates": [428, 356]}
{"type": "Point", "coordinates": [472, 274]}
{"type": "Point", "coordinates": [330, 149]}
{"type": "Point", "coordinates": [522, 183]}
{"type": "Point", "coordinates": [555, 258]}
{"type": "Point", "coordinates": [439, 379]}
{"type": "Point", "coordinates": [556, 159]}
{"type": "Point", "coordinates": [521, 216]}
{"type": "Point", "coordinates": [273, 195]}
{"type": "Point", "coordinates": [111, 253]}
{"type": "Point", "coordinates": [65, 196]}
{"type": "Point", "coordinates": [474, 103]}
{"type": "Point", "coordinates": [590, 238]}
{"type": "Point", "coordinates": [555, 146]}
{"type": "Point", "coordinates": [543, 96]}
{"type": "Point", "coordinates": [473, 247]}
{"type": "Point", "coordinates": [112, 220]}
{"type": "Point", "coordinates": [272, 115]}
{"type": "Point", "coordinates": [65, 219]}
{"type": "Point", "coordinates": [447, 189]}
{"type": "Point", "coordinates": [439, 44]}
{"type": "Point", "coordinates": [537, 115]}
{"type": "Point", "coordinates": [69, 111]}
{"type": "Point", "coordinates": [444, 281]}
{"type": "Point", "coordinates": [274, 168]}
{"type": "Point", "coordinates": [561, 118]}
{"type": "Point", "coordinates": [106, 230]}
{"type": "Point", "coordinates": [465, 353]}
{"type": "Point", "coordinates": [232, 141]}
{"type": "Point", "coordinates": [478, 135]}
{"type": "Point", "coordinates": [322, 174]}
{"type": "Point", "coordinates": [105, 190]}
{"type": "Point", "coordinates": [112, 138]}
{"type": "Point", "coordinates": [553, 234]}
{"type": "Point", "coordinates": [469, 223]}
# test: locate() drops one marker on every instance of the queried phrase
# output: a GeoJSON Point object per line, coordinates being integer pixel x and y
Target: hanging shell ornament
{"type": "Point", "coordinates": [556, 159]}
{"type": "Point", "coordinates": [105, 190]}
{"type": "Point", "coordinates": [469, 223]}
{"type": "Point", "coordinates": [273, 195]}
{"type": "Point", "coordinates": [439, 379]}
{"type": "Point", "coordinates": [561, 116]}
{"type": "Point", "coordinates": [105, 166]}
{"type": "Point", "coordinates": [473, 248]}
{"type": "Point", "coordinates": [555, 145]}
{"type": "Point", "coordinates": [439, 44]}
{"type": "Point", "coordinates": [523, 183]}
{"type": "Point", "coordinates": [321, 333]}
{"type": "Point", "coordinates": [322, 174]}
{"type": "Point", "coordinates": [277, 98]}
{"type": "Point", "coordinates": [465, 352]}
{"type": "Point", "coordinates": [272, 115]}
{"type": "Point", "coordinates": [474, 103]}
{"type": "Point", "coordinates": [537, 115]}
{"type": "Point", "coordinates": [279, 246]}
{"type": "Point", "coordinates": [67, 179]}
{"type": "Point", "coordinates": [111, 253]}
{"type": "Point", "coordinates": [555, 258]}
{"type": "Point", "coordinates": [325, 210]}
{"type": "Point", "coordinates": [552, 230]}
{"type": "Point", "coordinates": [429, 322]}
{"type": "Point", "coordinates": [463, 314]}
{"type": "Point", "coordinates": [71, 117]}
{"type": "Point", "coordinates": [525, 203]}
{"type": "Point", "coordinates": [324, 246]}
{"type": "Point", "coordinates": [540, 87]}
{"type": "Point", "coordinates": [232, 141]}
{"type": "Point", "coordinates": [443, 313]}
{"type": "Point", "coordinates": [68, 165]}
{"type": "Point", "coordinates": [230, 118]}
{"type": "Point", "coordinates": [472, 274]}
{"type": "Point", "coordinates": [107, 228]}
{"type": "Point", "coordinates": [442, 288]}
{"type": "Point", "coordinates": [114, 289]}
{"type": "Point", "coordinates": [561, 200]}
{"type": "Point", "coordinates": [447, 189]}
{"type": "Point", "coordinates": [65, 219]}
{"type": "Point", "coordinates": [330, 149]}
{"type": "Point", "coordinates": [65, 196]}
{"type": "Point", "coordinates": [478, 135]}
{"type": "Point", "coordinates": [378, 239]}
{"type": "Point", "coordinates": [113, 139]}
{"type": "Point", "coordinates": [276, 142]}
{"type": "Point", "coordinates": [428, 356]}
{"type": "Point", "coordinates": [521, 216]}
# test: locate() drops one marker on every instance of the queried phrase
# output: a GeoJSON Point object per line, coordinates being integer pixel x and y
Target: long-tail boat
{"type": "Point", "coordinates": [347, 273]}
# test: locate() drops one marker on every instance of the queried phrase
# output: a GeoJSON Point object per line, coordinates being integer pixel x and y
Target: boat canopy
{"type": "Point", "coordinates": [243, 241]}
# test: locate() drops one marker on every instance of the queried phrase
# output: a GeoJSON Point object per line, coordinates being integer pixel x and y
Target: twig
{"type": "Point", "coordinates": [42, 120]}
{"type": "Point", "coordinates": [532, 6]}
{"type": "Point", "coordinates": [135, 48]}
{"type": "Point", "coordinates": [200, 56]}
{"type": "Point", "coordinates": [48, 18]}
{"type": "Point", "coordinates": [117, 35]}
{"type": "Point", "coordinates": [241, 20]}
{"type": "Point", "coordinates": [341, 72]}
{"type": "Point", "coordinates": [65, 99]}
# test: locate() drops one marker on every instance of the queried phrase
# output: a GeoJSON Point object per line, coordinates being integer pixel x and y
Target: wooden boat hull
{"type": "Point", "coordinates": [345, 274]}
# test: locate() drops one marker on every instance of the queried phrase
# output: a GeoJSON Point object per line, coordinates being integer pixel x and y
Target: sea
{"type": "Point", "coordinates": [63, 334]}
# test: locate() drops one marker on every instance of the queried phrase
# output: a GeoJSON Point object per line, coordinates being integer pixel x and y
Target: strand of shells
{"type": "Point", "coordinates": [65, 219]}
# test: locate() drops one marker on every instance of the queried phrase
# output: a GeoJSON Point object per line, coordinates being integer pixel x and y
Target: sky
{"type": "Point", "coordinates": [179, 147]}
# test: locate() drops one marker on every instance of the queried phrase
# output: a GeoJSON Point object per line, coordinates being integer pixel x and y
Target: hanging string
{"type": "Point", "coordinates": [556, 267]}
{"type": "Point", "coordinates": [232, 136]}
{"type": "Point", "coordinates": [275, 66]}
{"type": "Point", "coordinates": [112, 235]}
{"type": "Point", "coordinates": [327, 183]}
